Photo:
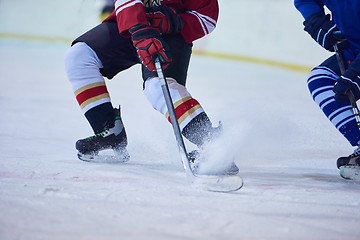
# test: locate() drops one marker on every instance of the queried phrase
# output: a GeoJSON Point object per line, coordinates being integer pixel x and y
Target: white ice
{"type": "Point", "coordinates": [285, 148]}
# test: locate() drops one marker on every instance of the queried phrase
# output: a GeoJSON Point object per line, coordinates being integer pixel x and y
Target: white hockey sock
{"type": "Point", "coordinates": [186, 107]}
{"type": "Point", "coordinates": [83, 70]}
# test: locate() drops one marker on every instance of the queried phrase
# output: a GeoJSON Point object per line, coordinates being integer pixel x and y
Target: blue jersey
{"type": "Point", "coordinates": [345, 14]}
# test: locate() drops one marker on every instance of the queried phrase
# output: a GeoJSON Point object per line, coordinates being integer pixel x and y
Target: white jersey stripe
{"type": "Point", "coordinates": [208, 24]}
{"type": "Point", "coordinates": [123, 4]}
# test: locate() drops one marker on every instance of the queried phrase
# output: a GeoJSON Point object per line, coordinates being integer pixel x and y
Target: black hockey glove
{"type": "Point", "coordinates": [324, 31]}
{"type": "Point", "coordinates": [349, 81]}
{"type": "Point", "coordinates": [164, 18]}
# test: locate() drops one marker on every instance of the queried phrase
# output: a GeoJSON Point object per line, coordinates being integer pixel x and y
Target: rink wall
{"type": "Point", "coordinates": [257, 31]}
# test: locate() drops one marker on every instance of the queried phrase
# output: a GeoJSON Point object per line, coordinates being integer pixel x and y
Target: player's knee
{"type": "Point", "coordinates": [154, 95]}
{"type": "Point", "coordinates": [321, 78]}
{"type": "Point", "coordinates": [79, 57]}
{"type": "Point", "coordinates": [309, 80]}
{"type": "Point", "coordinates": [73, 56]}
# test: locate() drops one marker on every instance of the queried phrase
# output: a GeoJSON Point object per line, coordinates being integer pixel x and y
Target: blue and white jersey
{"type": "Point", "coordinates": [346, 15]}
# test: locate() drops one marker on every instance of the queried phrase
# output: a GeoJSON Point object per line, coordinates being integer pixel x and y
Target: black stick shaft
{"type": "Point", "coordinates": [174, 121]}
{"type": "Point", "coordinates": [355, 109]}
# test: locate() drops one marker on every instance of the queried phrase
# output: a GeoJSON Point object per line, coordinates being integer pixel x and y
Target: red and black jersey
{"type": "Point", "coordinates": [199, 16]}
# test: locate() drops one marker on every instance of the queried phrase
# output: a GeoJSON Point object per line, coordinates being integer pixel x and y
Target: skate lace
{"type": "Point", "coordinates": [101, 134]}
{"type": "Point", "coordinates": [356, 152]}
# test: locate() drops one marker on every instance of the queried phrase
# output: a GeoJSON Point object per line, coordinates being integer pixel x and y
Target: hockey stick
{"type": "Point", "coordinates": [174, 122]}
{"type": "Point", "coordinates": [208, 182]}
{"type": "Point", "coordinates": [340, 58]}
{"type": "Point", "coordinates": [348, 171]}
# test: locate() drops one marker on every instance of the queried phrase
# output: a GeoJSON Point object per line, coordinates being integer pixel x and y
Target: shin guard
{"type": "Point", "coordinates": [191, 116]}
{"type": "Point", "coordinates": [321, 83]}
{"type": "Point", "coordinates": [83, 70]}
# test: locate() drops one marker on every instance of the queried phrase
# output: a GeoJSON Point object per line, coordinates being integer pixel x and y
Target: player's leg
{"type": "Point", "coordinates": [98, 53]}
{"type": "Point", "coordinates": [194, 123]}
{"type": "Point", "coordinates": [321, 82]}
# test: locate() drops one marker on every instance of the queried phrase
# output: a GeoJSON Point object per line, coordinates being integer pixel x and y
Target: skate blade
{"type": "Point", "coordinates": [106, 156]}
{"type": "Point", "coordinates": [350, 172]}
{"type": "Point", "coordinates": [218, 183]}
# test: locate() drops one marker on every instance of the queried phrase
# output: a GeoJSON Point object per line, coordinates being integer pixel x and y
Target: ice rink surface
{"type": "Point", "coordinates": [285, 149]}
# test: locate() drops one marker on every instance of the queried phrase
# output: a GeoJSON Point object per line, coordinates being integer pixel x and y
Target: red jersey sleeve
{"type": "Point", "coordinates": [199, 16]}
{"type": "Point", "coordinates": [200, 19]}
{"type": "Point", "coordinates": [128, 14]}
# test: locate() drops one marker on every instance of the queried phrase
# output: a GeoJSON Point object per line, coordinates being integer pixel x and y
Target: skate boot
{"type": "Point", "coordinates": [112, 138]}
{"type": "Point", "coordinates": [212, 157]}
{"type": "Point", "coordinates": [195, 159]}
{"type": "Point", "coordinates": [350, 166]}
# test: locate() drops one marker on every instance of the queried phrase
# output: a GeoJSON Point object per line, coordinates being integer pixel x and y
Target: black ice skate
{"type": "Point", "coordinates": [210, 159]}
{"type": "Point", "coordinates": [195, 159]}
{"type": "Point", "coordinates": [112, 138]}
{"type": "Point", "coordinates": [350, 166]}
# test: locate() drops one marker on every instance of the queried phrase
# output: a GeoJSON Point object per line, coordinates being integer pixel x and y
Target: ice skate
{"type": "Point", "coordinates": [350, 166]}
{"type": "Point", "coordinates": [195, 158]}
{"type": "Point", "coordinates": [211, 158]}
{"type": "Point", "coordinates": [107, 146]}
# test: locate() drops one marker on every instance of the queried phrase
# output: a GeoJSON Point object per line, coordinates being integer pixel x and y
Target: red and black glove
{"type": "Point", "coordinates": [164, 18]}
{"type": "Point", "coordinates": [149, 45]}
